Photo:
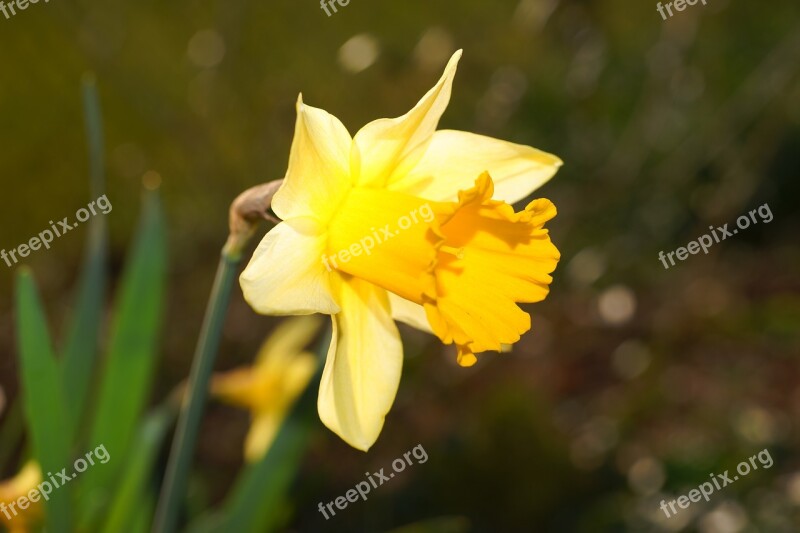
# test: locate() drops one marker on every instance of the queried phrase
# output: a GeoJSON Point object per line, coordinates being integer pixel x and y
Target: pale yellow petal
{"type": "Point", "coordinates": [295, 376]}
{"type": "Point", "coordinates": [26, 479]}
{"type": "Point", "coordinates": [236, 387]}
{"type": "Point", "coordinates": [288, 339]}
{"type": "Point", "coordinates": [263, 430]}
{"type": "Point", "coordinates": [381, 145]}
{"type": "Point", "coordinates": [21, 520]}
{"type": "Point", "coordinates": [454, 159]}
{"type": "Point", "coordinates": [409, 313]}
{"type": "Point", "coordinates": [284, 385]}
{"type": "Point", "coordinates": [318, 175]}
{"type": "Point", "coordinates": [286, 275]}
{"type": "Point", "coordinates": [362, 371]}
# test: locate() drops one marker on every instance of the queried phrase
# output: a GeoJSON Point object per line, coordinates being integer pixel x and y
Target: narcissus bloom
{"type": "Point", "coordinates": [269, 389]}
{"type": "Point", "coordinates": [15, 519]}
{"type": "Point", "coordinates": [402, 222]}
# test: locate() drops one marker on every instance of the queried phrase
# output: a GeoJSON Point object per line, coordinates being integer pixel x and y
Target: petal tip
{"type": "Point", "coordinates": [452, 64]}
{"type": "Point", "coordinates": [465, 357]}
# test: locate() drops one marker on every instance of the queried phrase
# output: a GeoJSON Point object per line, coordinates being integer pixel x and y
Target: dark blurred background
{"type": "Point", "coordinates": [636, 382]}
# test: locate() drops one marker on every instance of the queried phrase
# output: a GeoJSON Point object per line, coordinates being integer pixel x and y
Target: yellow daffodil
{"type": "Point", "coordinates": [269, 389]}
{"type": "Point", "coordinates": [12, 516]}
{"type": "Point", "coordinates": [402, 222]}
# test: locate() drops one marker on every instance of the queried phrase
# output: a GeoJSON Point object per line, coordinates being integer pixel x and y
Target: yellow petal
{"type": "Point", "coordinates": [318, 176]}
{"type": "Point", "coordinates": [453, 159]}
{"type": "Point", "coordinates": [362, 372]}
{"type": "Point", "coordinates": [27, 478]}
{"type": "Point", "coordinates": [381, 145]}
{"type": "Point", "coordinates": [281, 371]}
{"type": "Point", "coordinates": [286, 276]}
{"type": "Point", "coordinates": [282, 387]}
{"type": "Point", "coordinates": [295, 376]}
{"type": "Point", "coordinates": [288, 339]}
{"type": "Point", "coordinates": [263, 430]}
{"type": "Point", "coordinates": [12, 489]}
{"type": "Point", "coordinates": [236, 387]}
{"type": "Point", "coordinates": [409, 313]}
{"type": "Point", "coordinates": [464, 356]}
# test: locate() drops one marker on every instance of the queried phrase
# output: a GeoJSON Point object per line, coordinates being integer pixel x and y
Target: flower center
{"type": "Point", "coordinates": [384, 237]}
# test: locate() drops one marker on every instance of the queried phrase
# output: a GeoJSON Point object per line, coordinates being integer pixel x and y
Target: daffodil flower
{"type": "Point", "coordinates": [269, 389]}
{"type": "Point", "coordinates": [16, 519]}
{"type": "Point", "coordinates": [459, 273]}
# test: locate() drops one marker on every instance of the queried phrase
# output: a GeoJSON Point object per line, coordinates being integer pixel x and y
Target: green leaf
{"type": "Point", "coordinates": [42, 396]}
{"type": "Point", "coordinates": [80, 350]}
{"type": "Point", "coordinates": [142, 521]}
{"type": "Point", "coordinates": [131, 497]}
{"type": "Point", "coordinates": [133, 347]}
{"type": "Point", "coordinates": [258, 500]}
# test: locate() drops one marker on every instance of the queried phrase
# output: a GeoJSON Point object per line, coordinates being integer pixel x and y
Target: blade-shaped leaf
{"type": "Point", "coordinates": [80, 350]}
{"type": "Point", "coordinates": [133, 347]}
{"type": "Point", "coordinates": [42, 396]}
{"type": "Point", "coordinates": [130, 497]}
{"type": "Point", "coordinates": [258, 500]}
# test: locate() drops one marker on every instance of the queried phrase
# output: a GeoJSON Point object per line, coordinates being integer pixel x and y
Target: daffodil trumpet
{"type": "Point", "coordinates": [458, 273]}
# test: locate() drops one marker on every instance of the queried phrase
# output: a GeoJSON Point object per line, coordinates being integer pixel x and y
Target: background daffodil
{"type": "Point", "coordinates": [270, 387]}
{"type": "Point", "coordinates": [460, 275]}
{"type": "Point", "coordinates": [18, 520]}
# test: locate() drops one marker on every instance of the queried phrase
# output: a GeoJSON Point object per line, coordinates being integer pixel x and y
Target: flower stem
{"type": "Point", "coordinates": [188, 424]}
{"type": "Point", "coordinates": [246, 211]}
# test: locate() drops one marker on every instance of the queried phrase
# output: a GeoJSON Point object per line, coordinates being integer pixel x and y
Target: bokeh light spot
{"type": "Point", "coordinates": [206, 48]}
{"type": "Point", "coordinates": [359, 53]}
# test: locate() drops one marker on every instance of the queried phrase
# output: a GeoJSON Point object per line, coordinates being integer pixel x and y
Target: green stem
{"type": "Point", "coordinates": [186, 433]}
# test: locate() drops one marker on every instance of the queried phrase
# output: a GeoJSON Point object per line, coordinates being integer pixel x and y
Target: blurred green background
{"type": "Point", "coordinates": [636, 382]}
